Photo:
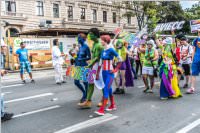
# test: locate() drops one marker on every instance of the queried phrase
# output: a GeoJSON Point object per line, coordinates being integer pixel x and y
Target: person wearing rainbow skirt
{"type": "Point", "coordinates": [168, 71]}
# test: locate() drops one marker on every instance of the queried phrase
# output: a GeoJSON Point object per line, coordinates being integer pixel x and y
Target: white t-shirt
{"type": "Point", "coordinates": [186, 54]}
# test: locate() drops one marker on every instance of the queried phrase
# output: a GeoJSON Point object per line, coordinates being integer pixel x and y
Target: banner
{"type": "Point", "coordinates": [194, 25]}
{"type": "Point", "coordinates": [33, 44]}
{"type": "Point", "coordinates": [169, 26]}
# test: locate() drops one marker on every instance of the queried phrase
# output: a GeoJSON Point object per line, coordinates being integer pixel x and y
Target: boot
{"type": "Point", "coordinates": [86, 104]}
{"type": "Point", "coordinates": [113, 105]}
{"type": "Point", "coordinates": [100, 103]}
{"type": "Point", "coordinates": [117, 91]}
{"type": "Point", "coordinates": [101, 109]}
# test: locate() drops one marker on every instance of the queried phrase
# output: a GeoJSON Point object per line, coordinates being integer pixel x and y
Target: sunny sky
{"type": "Point", "coordinates": [187, 4]}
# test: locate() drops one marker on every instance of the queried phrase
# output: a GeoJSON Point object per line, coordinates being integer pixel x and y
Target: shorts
{"type": "Point", "coordinates": [147, 70]}
{"type": "Point", "coordinates": [195, 68]}
{"type": "Point", "coordinates": [123, 66]}
{"type": "Point", "coordinates": [186, 68]}
{"type": "Point", "coordinates": [25, 65]}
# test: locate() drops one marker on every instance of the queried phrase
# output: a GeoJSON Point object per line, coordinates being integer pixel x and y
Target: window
{"type": "Point", "coordinates": [82, 13]}
{"type": "Point", "coordinates": [40, 8]}
{"type": "Point", "coordinates": [104, 16]}
{"type": "Point", "coordinates": [70, 12]}
{"type": "Point", "coordinates": [129, 19]}
{"type": "Point", "coordinates": [114, 17]}
{"type": "Point", "coordinates": [10, 6]}
{"type": "Point", "coordinates": [94, 13]}
{"type": "Point", "coordinates": [55, 10]}
{"type": "Point", "coordinates": [12, 32]}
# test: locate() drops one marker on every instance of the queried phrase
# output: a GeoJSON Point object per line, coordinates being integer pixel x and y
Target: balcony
{"type": "Point", "coordinates": [83, 22]}
{"type": "Point", "coordinates": [129, 26]}
{"type": "Point", "coordinates": [12, 15]}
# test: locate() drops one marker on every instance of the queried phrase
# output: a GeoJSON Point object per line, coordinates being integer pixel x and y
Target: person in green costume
{"type": "Point", "coordinates": [97, 48]}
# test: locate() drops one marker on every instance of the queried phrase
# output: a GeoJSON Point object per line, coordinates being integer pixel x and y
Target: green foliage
{"type": "Point", "coordinates": [153, 12]}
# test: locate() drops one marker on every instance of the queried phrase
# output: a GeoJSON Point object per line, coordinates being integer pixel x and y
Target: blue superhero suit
{"type": "Point", "coordinates": [107, 57]}
{"type": "Point", "coordinates": [83, 56]}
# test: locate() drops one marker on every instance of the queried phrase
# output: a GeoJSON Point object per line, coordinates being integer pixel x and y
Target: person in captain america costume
{"type": "Point", "coordinates": [106, 63]}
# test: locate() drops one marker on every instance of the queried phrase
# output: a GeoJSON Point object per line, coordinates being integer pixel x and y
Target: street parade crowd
{"type": "Point", "coordinates": [170, 59]}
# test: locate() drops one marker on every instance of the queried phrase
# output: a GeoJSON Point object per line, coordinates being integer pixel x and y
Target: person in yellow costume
{"type": "Point", "coordinates": [125, 73]}
{"type": "Point", "coordinates": [167, 48]}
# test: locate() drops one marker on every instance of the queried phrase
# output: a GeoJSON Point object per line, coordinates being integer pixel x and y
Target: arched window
{"type": "Point", "coordinates": [13, 32]}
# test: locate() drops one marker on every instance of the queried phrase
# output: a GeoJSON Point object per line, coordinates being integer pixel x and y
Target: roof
{"type": "Point", "coordinates": [58, 32]}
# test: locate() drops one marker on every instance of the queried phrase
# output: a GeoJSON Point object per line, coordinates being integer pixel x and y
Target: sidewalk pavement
{"type": "Point", "coordinates": [39, 73]}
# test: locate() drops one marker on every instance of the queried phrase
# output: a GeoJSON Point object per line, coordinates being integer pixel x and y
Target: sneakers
{"type": "Point", "coordinates": [7, 116]}
{"type": "Point", "coordinates": [58, 83]}
{"type": "Point", "coordinates": [190, 91]}
{"type": "Point", "coordinates": [146, 90]}
{"type": "Point", "coordinates": [164, 98]}
{"type": "Point", "coordinates": [64, 82]}
{"type": "Point", "coordinates": [119, 91]}
{"type": "Point", "coordinates": [32, 81]}
{"type": "Point", "coordinates": [24, 81]}
{"type": "Point", "coordinates": [86, 104]}
{"type": "Point", "coordinates": [185, 86]}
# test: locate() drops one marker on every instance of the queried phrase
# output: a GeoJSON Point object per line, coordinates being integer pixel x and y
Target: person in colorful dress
{"type": "Point", "coordinates": [168, 71]}
{"type": "Point", "coordinates": [96, 51]}
{"type": "Point", "coordinates": [106, 62]}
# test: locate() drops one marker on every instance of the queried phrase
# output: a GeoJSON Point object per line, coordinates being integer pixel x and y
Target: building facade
{"type": "Point", "coordinates": [24, 15]}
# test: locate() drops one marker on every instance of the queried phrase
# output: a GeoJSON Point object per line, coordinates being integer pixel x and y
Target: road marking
{"type": "Point", "coordinates": [30, 97]}
{"type": "Point", "coordinates": [37, 111]}
{"type": "Point", "coordinates": [11, 86]}
{"type": "Point", "coordinates": [142, 86]}
{"type": "Point", "coordinates": [189, 127]}
{"type": "Point", "coordinates": [5, 93]}
{"type": "Point", "coordinates": [88, 123]}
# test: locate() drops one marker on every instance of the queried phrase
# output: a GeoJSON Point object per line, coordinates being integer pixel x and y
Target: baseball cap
{"type": "Point", "coordinates": [150, 42]}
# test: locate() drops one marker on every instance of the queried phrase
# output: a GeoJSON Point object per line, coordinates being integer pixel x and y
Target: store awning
{"type": "Point", "coordinates": [58, 32]}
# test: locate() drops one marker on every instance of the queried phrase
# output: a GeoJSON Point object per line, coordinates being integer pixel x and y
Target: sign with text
{"type": "Point", "coordinates": [169, 26]}
{"type": "Point", "coordinates": [33, 44]}
{"type": "Point", "coordinates": [195, 25]}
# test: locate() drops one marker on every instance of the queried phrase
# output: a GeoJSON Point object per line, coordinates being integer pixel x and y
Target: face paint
{"type": "Point", "coordinates": [91, 36]}
{"type": "Point", "coordinates": [119, 44]}
{"type": "Point", "coordinates": [80, 40]}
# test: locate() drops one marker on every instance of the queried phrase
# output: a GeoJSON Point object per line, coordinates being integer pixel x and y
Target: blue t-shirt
{"type": "Point", "coordinates": [109, 54]}
{"type": "Point", "coordinates": [196, 44]}
{"type": "Point", "coordinates": [23, 54]}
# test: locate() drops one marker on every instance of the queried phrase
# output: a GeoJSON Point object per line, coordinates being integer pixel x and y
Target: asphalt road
{"type": "Point", "coordinates": [45, 107]}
